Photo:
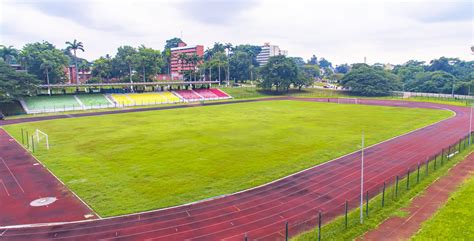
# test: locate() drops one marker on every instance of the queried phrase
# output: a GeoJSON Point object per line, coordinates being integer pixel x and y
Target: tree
{"type": "Point", "coordinates": [311, 71]}
{"type": "Point", "coordinates": [229, 48]}
{"type": "Point", "coordinates": [298, 61]}
{"type": "Point", "coordinates": [14, 85]}
{"type": "Point", "coordinates": [313, 60]}
{"type": "Point", "coordinates": [302, 80]}
{"type": "Point", "coordinates": [280, 72]}
{"type": "Point", "coordinates": [240, 65]}
{"type": "Point", "coordinates": [74, 46]}
{"type": "Point", "coordinates": [102, 68]}
{"type": "Point", "coordinates": [370, 81]}
{"type": "Point", "coordinates": [37, 53]}
{"type": "Point", "coordinates": [342, 69]}
{"type": "Point", "coordinates": [8, 54]}
{"type": "Point", "coordinates": [122, 63]}
{"type": "Point", "coordinates": [323, 63]}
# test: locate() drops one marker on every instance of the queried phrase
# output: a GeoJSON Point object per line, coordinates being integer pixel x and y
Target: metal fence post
{"type": "Point", "coordinates": [383, 195]}
{"type": "Point", "coordinates": [286, 231]}
{"type": "Point", "coordinates": [367, 204]}
{"type": "Point", "coordinates": [27, 140]}
{"type": "Point", "coordinates": [427, 163]}
{"type": "Point", "coordinates": [396, 188]}
{"type": "Point", "coordinates": [434, 163]}
{"type": "Point", "coordinates": [33, 143]}
{"type": "Point", "coordinates": [408, 178]}
{"type": "Point", "coordinates": [245, 237]}
{"type": "Point", "coordinates": [345, 213]}
{"type": "Point", "coordinates": [418, 174]}
{"type": "Point", "coordinates": [319, 225]}
{"type": "Point", "coordinates": [22, 140]}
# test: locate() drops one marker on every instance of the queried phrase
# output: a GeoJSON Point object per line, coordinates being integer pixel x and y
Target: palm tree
{"type": "Point", "coordinates": [24, 58]}
{"type": "Point", "coordinates": [229, 48]}
{"type": "Point", "coordinates": [8, 53]}
{"type": "Point", "coordinates": [74, 46]}
{"type": "Point", "coordinates": [46, 66]}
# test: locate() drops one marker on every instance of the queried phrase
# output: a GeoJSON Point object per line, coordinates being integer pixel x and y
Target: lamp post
{"type": "Point", "coordinates": [362, 182]}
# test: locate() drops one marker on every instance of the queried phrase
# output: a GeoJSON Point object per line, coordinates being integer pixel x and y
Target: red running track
{"type": "Point", "coordinates": [22, 180]}
{"type": "Point", "coordinates": [262, 212]}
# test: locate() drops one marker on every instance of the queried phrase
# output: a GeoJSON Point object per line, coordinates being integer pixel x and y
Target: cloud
{"type": "Point", "coordinates": [437, 11]}
{"type": "Point", "coordinates": [342, 31]}
{"type": "Point", "coordinates": [215, 12]}
{"type": "Point", "coordinates": [79, 12]}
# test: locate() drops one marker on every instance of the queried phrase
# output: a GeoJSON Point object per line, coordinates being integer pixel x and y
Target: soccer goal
{"type": "Point", "coordinates": [347, 101]}
{"type": "Point", "coordinates": [42, 137]}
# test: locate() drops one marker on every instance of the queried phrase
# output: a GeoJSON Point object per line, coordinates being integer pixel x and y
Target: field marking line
{"type": "Point", "coordinates": [5, 187]}
{"type": "Point", "coordinates": [11, 173]}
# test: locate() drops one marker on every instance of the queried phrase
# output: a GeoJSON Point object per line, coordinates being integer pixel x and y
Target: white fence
{"type": "Point", "coordinates": [434, 95]}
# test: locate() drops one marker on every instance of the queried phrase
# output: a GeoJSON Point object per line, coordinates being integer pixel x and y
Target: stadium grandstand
{"type": "Point", "coordinates": [96, 96]}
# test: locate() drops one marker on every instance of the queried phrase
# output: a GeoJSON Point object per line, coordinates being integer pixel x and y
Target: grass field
{"type": "Point", "coordinates": [454, 220]}
{"type": "Point", "coordinates": [133, 162]}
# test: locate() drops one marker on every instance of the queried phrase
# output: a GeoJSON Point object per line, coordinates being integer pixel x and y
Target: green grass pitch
{"type": "Point", "coordinates": [125, 163]}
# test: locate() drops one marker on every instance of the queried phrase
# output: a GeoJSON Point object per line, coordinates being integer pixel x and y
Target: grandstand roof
{"type": "Point", "coordinates": [128, 84]}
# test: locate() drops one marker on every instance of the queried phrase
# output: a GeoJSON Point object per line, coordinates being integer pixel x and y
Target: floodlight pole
{"type": "Point", "coordinates": [470, 125]}
{"type": "Point", "coordinates": [362, 182]}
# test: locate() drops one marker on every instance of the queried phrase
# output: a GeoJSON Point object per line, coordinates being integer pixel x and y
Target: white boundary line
{"type": "Point", "coordinates": [47, 169]}
{"type": "Point", "coordinates": [245, 190]}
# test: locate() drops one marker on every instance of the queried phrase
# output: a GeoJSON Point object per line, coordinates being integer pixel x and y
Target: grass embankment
{"type": "Point", "coordinates": [133, 162]}
{"type": "Point", "coordinates": [335, 229]}
{"type": "Point", "coordinates": [454, 220]}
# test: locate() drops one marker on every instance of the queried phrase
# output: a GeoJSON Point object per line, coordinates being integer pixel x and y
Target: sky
{"type": "Point", "coordinates": [342, 31]}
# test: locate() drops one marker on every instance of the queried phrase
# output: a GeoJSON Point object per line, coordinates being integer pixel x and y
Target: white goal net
{"type": "Point", "coordinates": [347, 101]}
{"type": "Point", "coordinates": [42, 137]}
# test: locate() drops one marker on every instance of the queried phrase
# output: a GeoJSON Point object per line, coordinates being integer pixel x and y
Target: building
{"type": "Point", "coordinates": [269, 51]}
{"type": "Point", "coordinates": [177, 65]}
{"type": "Point", "coordinates": [84, 76]}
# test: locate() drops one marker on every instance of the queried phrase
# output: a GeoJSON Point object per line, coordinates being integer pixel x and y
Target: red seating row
{"type": "Point", "coordinates": [207, 94]}
{"type": "Point", "coordinates": [219, 93]}
{"type": "Point", "coordinates": [201, 94]}
{"type": "Point", "coordinates": [188, 95]}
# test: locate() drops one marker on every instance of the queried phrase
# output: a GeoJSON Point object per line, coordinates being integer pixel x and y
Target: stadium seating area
{"type": "Point", "coordinates": [147, 98]}
{"type": "Point", "coordinates": [220, 93]}
{"type": "Point", "coordinates": [94, 100]}
{"type": "Point", "coordinates": [122, 100]}
{"type": "Point", "coordinates": [170, 97]}
{"type": "Point", "coordinates": [38, 104]}
{"type": "Point", "coordinates": [56, 103]}
{"type": "Point", "coordinates": [188, 95]}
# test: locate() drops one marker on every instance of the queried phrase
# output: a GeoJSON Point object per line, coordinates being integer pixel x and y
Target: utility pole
{"type": "Point", "coordinates": [362, 182]}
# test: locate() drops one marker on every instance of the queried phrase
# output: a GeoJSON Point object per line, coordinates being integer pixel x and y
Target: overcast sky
{"type": "Point", "coordinates": [384, 31]}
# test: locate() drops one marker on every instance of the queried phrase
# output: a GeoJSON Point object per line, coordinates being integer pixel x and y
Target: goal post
{"type": "Point", "coordinates": [348, 101]}
{"type": "Point", "coordinates": [40, 136]}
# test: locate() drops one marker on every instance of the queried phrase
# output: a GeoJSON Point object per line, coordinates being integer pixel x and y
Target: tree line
{"type": "Point", "coordinates": [45, 63]}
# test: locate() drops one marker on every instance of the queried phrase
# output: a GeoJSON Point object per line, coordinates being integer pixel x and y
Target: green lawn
{"type": "Point", "coordinates": [125, 163]}
{"type": "Point", "coordinates": [454, 220]}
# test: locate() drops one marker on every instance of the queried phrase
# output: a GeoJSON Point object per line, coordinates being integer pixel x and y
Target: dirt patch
{"type": "Point", "coordinates": [424, 206]}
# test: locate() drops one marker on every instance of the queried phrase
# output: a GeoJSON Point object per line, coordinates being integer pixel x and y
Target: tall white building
{"type": "Point", "coordinates": [269, 51]}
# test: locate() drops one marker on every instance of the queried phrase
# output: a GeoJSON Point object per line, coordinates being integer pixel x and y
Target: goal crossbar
{"type": "Point", "coordinates": [41, 135]}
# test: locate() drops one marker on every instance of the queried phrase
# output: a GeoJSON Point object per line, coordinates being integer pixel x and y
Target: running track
{"type": "Point", "coordinates": [262, 212]}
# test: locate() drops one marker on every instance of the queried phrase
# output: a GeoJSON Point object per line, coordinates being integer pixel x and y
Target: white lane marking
{"type": "Point", "coordinates": [6, 190]}
{"type": "Point", "coordinates": [11, 173]}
